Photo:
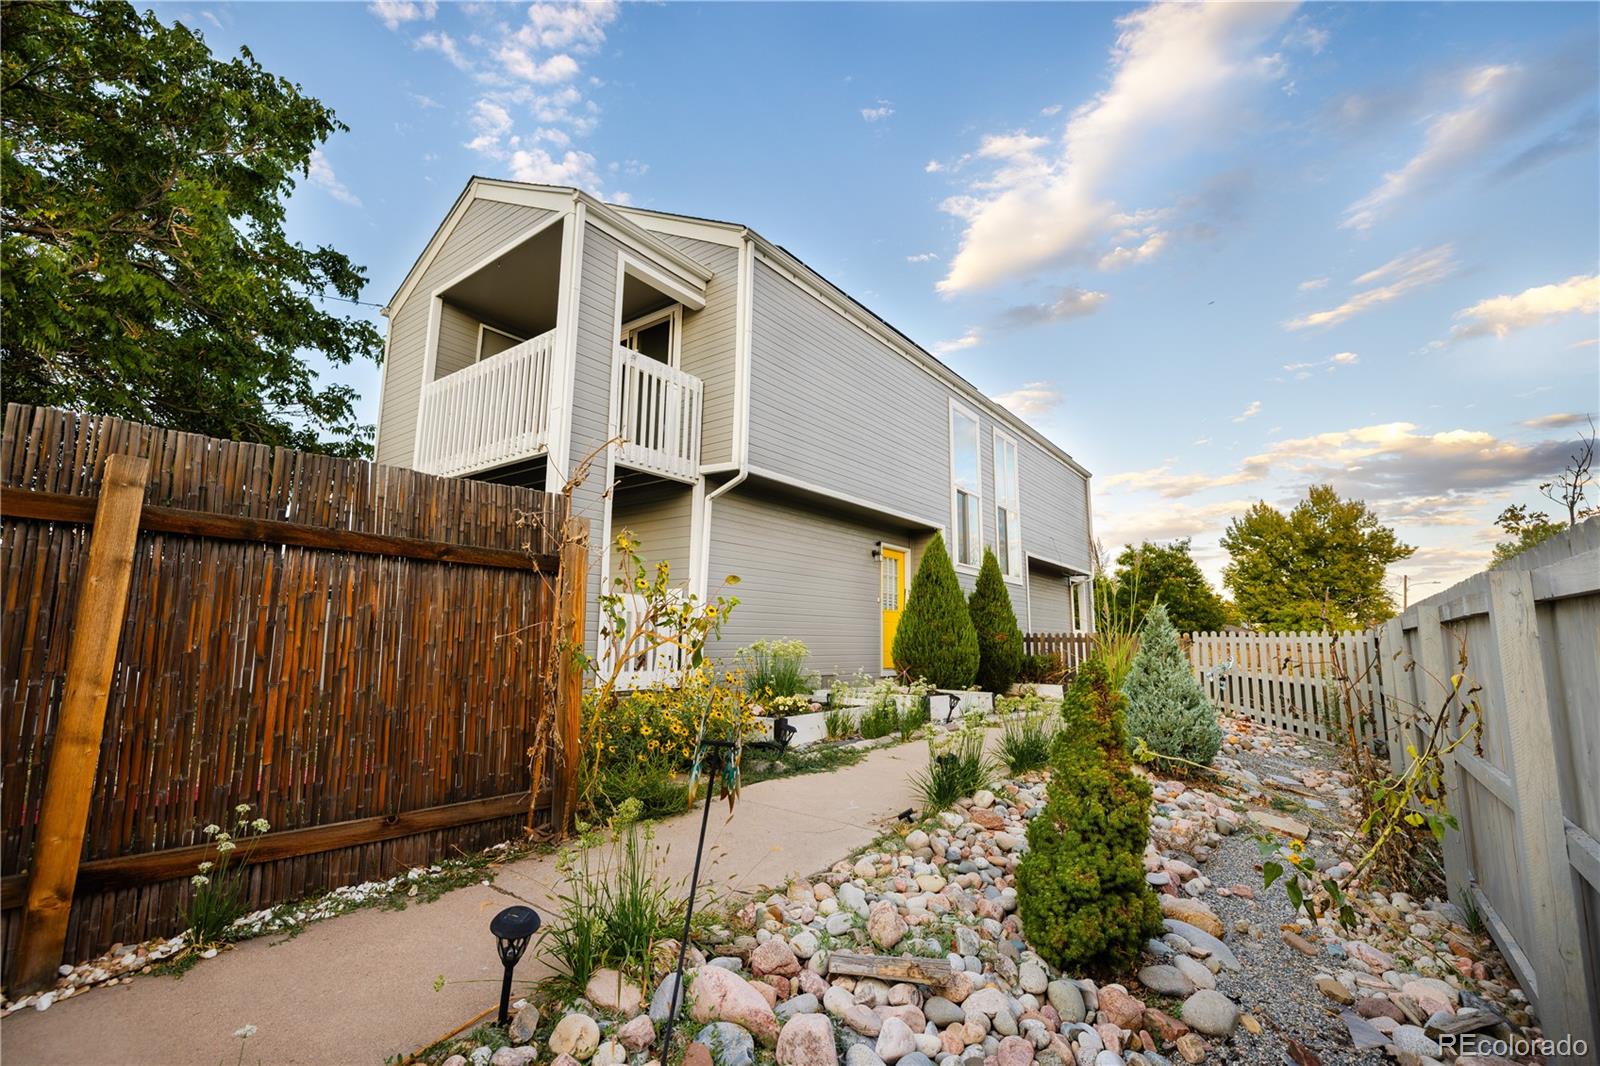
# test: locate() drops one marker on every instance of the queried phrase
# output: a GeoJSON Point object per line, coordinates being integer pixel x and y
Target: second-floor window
{"type": "Point", "coordinates": [966, 502]}
{"type": "Point", "coordinates": [1007, 506]}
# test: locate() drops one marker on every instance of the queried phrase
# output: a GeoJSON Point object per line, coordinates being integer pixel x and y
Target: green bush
{"type": "Point", "coordinates": [839, 723]}
{"type": "Point", "coordinates": [1081, 891]}
{"type": "Point", "coordinates": [1041, 668]}
{"type": "Point", "coordinates": [1027, 733]}
{"type": "Point", "coordinates": [881, 717]}
{"type": "Point", "coordinates": [957, 766]}
{"type": "Point", "coordinates": [999, 636]}
{"type": "Point", "coordinates": [1167, 708]}
{"type": "Point", "coordinates": [936, 640]}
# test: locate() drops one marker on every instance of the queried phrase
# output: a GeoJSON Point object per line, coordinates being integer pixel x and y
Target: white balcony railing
{"type": "Point", "coordinates": [658, 416]}
{"type": "Point", "coordinates": [652, 666]}
{"type": "Point", "coordinates": [493, 412]}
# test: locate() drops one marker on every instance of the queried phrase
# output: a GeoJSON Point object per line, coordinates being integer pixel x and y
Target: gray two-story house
{"type": "Point", "coordinates": [763, 423]}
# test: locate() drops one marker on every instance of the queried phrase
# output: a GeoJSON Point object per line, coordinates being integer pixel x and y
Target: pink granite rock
{"type": "Point", "coordinates": [721, 995]}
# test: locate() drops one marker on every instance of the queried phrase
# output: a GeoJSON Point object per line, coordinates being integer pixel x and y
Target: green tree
{"type": "Point", "coordinates": [1327, 556]}
{"type": "Point", "coordinates": [1524, 528]}
{"type": "Point", "coordinates": [999, 636]}
{"type": "Point", "coordinates": [1081, 890]}
{"type": "Point", "coordinates": [1167, 708]}
{"type": "Point", "coordinates": [935, 639]}
{"type": "Point", "coordinates": [1166, 573]}
{"type": "Point", "coordinates": [144, 269]}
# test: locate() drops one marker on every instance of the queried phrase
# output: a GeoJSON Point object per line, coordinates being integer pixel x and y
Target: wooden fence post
{"type": "Point", "coordinates": [69, 779]}
{"type": "Point", "coordinates": [572, 600]}
{"type": "Point", "coordinates": [1557, 935]}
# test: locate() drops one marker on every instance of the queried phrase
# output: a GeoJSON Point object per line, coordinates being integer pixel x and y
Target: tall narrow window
{"type": "Point", "coordinates": [1007, 506]}
{"type": "Point", "coordinates": [966, 493]}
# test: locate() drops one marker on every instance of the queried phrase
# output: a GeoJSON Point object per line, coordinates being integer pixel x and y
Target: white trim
{"type": "Point", "coordinates": [727, 234]}
{"type": "Point", "coordinates": [558, 206]}
{"type": "Point", "coordinates": [1067, 568]}
{"type": "Point", "coordinates": [430, 366]}
{"type": "Point", "coordinates": [694, 299]}
{"type": "Point", "coordinates": [905, 592]}
{"type": "Point", "coordinates": [955, 494]}
{"type": "Point", "coordinates": [851, 312]}
{"type": "Point", "coordinates": [914, 521]}
{"type": "Point", "coordinates": [741, 411]}
{"type": "Point", "coordinates": [383, 377]}
{"type": "Point", "coordinates": [1014, 526]}
{"type": "Point", "coordinates": [503, 249]}
{"type": "Point", "coordinates": [558, 446]}
{"type": "Point", "coordinates": [673, 314]}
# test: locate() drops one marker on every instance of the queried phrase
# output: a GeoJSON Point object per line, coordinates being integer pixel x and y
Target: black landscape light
{"type": "Point", "coordinates": [512, 929]}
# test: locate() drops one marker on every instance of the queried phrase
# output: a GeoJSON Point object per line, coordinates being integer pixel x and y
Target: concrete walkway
{"type": "Point", "coordinates": [360, 987]}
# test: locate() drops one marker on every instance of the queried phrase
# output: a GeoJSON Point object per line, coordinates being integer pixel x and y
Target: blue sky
{"type": "Point", "coordinates": [1216, 252]}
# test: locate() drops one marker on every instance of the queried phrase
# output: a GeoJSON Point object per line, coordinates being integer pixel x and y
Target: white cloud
{"type": "Point", "coordinates": [1344, 358]}
{"type": "Point", "coordinates": [1051, 110]}
{"type": "Point", "coordinates": [1120, 257]}
{"type": "Point", "coordinates": [1069, 302]}
{"type": "Point", "coordinates": [1557, 421]}
{"type": "Point", "coordinates": [878, 113]}
{"type": "Point", "coordinates": [1249, 412]}
{"type": "Point", "coordinates": [393, 12]}
{"type": "Point", "coordinates": [1303, 371]}
{"type": "Point", "coordinates": [1496, 106]}
{"type": "Point", "coordinates": [1162, 523]}
{"type": "Point", "coordinates": [1400, 275]}
{"type": "Point", "coordinates": [424, 101]}
{"type": "Point", "coordinates": [1313, 284]}
{"type": "Point", "coordinates": [1033, 400]}
{"type": "Point", "coordinates": [1304, 34]}
{"type": "Point", "coordinates": [932, 166]}
{"type": "Point", "coordinates": [539, 166]}
{"type": "Point", "coordinates": [320, 173]}
{"type": "Point", "coordinates": [446, 46]}
{"type": "Point", "coordinates": [1500, 315]}
{"type": "Point", "coordinates": [969, 339]}
{"type": "Point", "coordinates": [578, 25]}
{"type": "Point", "coordinates": [548, 71]}
{"type": "Point", "coordinates": [922, 257]}
{"type": "Point", "coordinates": [1175, 71]}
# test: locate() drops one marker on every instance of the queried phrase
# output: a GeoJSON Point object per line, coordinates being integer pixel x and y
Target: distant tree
{"type": "Point", "coordinates": [1167, 708]}
{"type": "Point", "coordinates": [1168, 573]}
{"type": "Point", "coordinates": [144, 269]}
{"type": "Point", "coordinates": [936, 640]}
{"type": "Point", "coordinates": [995, 620]}
{"type": "Point", "coordinates": [1322, 563]}
{"type": "Point", "coordinates": [1524, 528]}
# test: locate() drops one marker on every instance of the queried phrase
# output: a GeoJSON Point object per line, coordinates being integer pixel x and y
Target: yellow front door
{"type": "Point", "coordinates": [891, 597]}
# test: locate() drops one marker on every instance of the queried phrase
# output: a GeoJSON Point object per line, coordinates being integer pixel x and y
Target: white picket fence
{"type": "Point", "coordinates": [1521, 645]}
{"type": "Point", "coordinates": [1289, 680]}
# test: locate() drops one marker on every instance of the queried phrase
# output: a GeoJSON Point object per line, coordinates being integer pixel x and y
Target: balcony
{"type": "Point", "coordinates": [658, 416]}
{"type": "Point", "coordinates": [493, 412]}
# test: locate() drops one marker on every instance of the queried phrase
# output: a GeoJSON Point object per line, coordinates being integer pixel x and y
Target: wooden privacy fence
{"type": "Point", "coordinates": [1290, 680]}
{"type": "Point", "coordinates": [1070, 649]}
{"type": "Point", "coordinates": [1525, 639]}
{"type": "Point", "coordinates": [189, 624]}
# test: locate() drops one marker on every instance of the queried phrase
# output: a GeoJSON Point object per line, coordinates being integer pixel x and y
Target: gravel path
{"type": "Point", "coordinates": [1276, 982]}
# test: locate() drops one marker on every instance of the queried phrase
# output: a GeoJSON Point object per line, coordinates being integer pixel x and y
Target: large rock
{"type": "Point", "coordinates": [730, 1044]}
{"type": "Point", "coordinates": [885, 926]}
{"type": "Point", "coordinates": [807, 1040]}
{"type": "Point", "coordinates": [524, 1025]}
{"type": "Point", "coordinates": [1192, 911]}
{"type": "Point", "coordinates": [720, 995]}
{"type": "Point", "coordinates": [1166, 980]}
{"type": "Point", "coordinates": [895, 1041]}
{"type": "Point", "coordinates": [1210, 1012]}
{"type": "Point", "coordinates": [637, 1034]}
{"type": "Point", "coordinates": [775, 956]}
{"type": "Point", "coordinates": [1014, 1051]}
{"type": "Point", "coordinates": [609, 990]}
{"type": "Point", "coordinates": [1067, 999]}
{"type": "Point", "coordinates": [1120, 1008]}
{"type": "Point", "coordinates": [1202, 939]}
{"type": "Point", "coordinates": [576, 1035]}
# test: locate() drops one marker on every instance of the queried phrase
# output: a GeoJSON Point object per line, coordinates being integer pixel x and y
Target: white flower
{"type": "Point", "coordinates": [243, 808]}
{"type": "Point", "coordinates": [226, 846]}
{"type": "Point", "coordinates": [260, 825]}
{"type": "Point", "coordinates": [245, 1032]}
{"type": "Point", "coordinates": [200, 879]}
{"type": "Point", "coordinates": [212, 830]}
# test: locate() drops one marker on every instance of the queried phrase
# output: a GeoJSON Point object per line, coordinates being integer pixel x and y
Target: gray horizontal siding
{"type": "Point", "coordinates": [1051, 596]}
{"type": "Point", "coordinates": [710, 342]}
{"type": "Point", "coordinates": [458, 341]}
{"type": "Point", "coordinates": [659, 518]}
{"type": "Point", "coordinates": [803, 573]}
{"type": "Point", "coordinates": [834, 407]}
{"type": "Point", "coordinates": [484, 226]}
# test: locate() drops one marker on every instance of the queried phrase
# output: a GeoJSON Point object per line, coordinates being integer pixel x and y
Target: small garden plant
{"type": "Point", "coordinates": [1169, 713]}
{"type": "Point", "coordinates": [219, 896]}
{"type": "Point", "coordinates": [999, 636]}
{"type": "Point", "coordinates": [1080, 888]}
{"type": "Point", "coordinates": [936, 640]}
{"type": "Point", "coordinates": [957, 766]}
{"type": "Point", "coordinates": [1027, 732]}
{"type": "Point", "coordinates": [776, 669]}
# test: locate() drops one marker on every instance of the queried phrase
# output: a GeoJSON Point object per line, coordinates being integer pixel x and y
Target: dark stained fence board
{"type": "Point", "coordinates": [1069, 649]}
{"type": "Point", "coordinates": [378, 660]}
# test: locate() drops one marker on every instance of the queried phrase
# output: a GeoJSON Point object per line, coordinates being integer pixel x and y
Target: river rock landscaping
{"type": "Point", "coordinates": [913, 953]}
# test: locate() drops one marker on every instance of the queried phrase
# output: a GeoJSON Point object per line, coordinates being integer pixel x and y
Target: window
{"type": "Point", "coordinates": [492, 342]}
{"type": "Point", "coordinates": [966, 493]}
{"type": "Point", "coordinates": [655, 335]}
{"type": "Point", "coordinates": [1007, 506]}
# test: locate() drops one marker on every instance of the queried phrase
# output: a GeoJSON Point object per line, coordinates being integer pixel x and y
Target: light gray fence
{"type": "Point", "coordinates": [1526, 637]}
{"type": "Point", "coordinates": [1287, 679]}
